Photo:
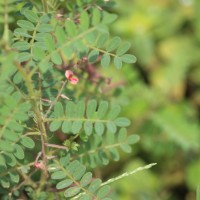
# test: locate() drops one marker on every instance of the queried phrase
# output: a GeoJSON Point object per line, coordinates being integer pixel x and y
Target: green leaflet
{"type": "Point", "coordinates": [31, 16]}
{"type": "Point", "coordinates": [56, 58]}
{"type": "Point", "coordinates": [75, 180]}
{"type": "Point", "coordinates": [27, 142]}
{"type": "Point", "coordinates": [118, 62]}
{"type": "Point", "coordinates": [14, 177]}
{"type": "Point", "coordinates": [114, 111]}
{"type": "Point", "coordinates": [5, 183]}
{"type": "Point", "coordinates": [38, 53]}
{"type": "Point", "coordinates": [86, 179]}
{"type": "Point", "coordinates": [123, 48]}
{"type": "Point", "coordinates": [27, 25]}
{"type": "Point", "coordinates": [88, 127]}
{"type": "Point", "coordinates": [70, 28]}
{"type": "Point", "coordinates": [18, 152]}
{"type": "Point", "coordinates": [101, 151]}
{"type": "Point", "coordinates": [132, 139]}
{"type": "Point", "coordinates": [22, 32]}
{"type": "Point", "coordinates": [105, 60]}
{"type": "Point", "coordinates": [58, 175]}
{"type": "Point", "coordinates": [122, 122]}
{"type": "Point", "coordinates": [126, 148]}
{"type": "Point", "coordinates": [2, 161]}
{"type": "Point", "coordinates": [127, 58]}
{"type": "Point", "coordinates": [93, 55]}
{"type": "Point", "coordinates": [60, 35]}
{"type": "Point", "coordinates": [25, 56]}
{"type": "Point", "coordinates": [113, 44]}
{"type": "Point", "coordinates": [102, 39]}
{"type": "Point", "coordinates": [21, 45]}
{"type": "Point", "coordinates": [6, 146]}
{"type": "Point", "coordinates": [55, 125]}
{"type": "Point", "coordinates": [99, 128]}
{"type": "Point", "coordinates": [49, 42]}
{"type": "Point", "coordinates": [10, 135]}
{"type": "Point", "coordinates": [45, 28]}
{"type": "Point", "coordinates": [89, 117]}
{"type": "Point", "coordinates": [72, 191]}
{"type": "Point", "coordinates": [108, 18]}
{"type": "Point", "coordinates": [10, 159]}
{"type": "Point", "coordinates": [84, 21]}
{"type": "Point", "coordinates": [63, 184]}
{"type": "Point", "coordinates": [96, 16]}
{"type": "Point", "coordinates": [94, 185]}
{"type": "Point", "coordinates": [103, 191]}
{"type": "Point", "coordinates": [91, 108]}
{"type": "Point", "coordinates": [102, 109]}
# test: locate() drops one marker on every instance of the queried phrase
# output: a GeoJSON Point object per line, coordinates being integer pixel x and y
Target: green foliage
{"type": "Point", "coordinates": [13, 115]}
{"type": "Point", "coordinates": [49, 141]}
{"type": "Point", "coordinates": [49, 46]}
{"type": "Point", "coordinates": [98, 151]}
{"type": "Point", "coordinates": [74, 174]}
{"type": "Point", "coordinates": [77, 116]}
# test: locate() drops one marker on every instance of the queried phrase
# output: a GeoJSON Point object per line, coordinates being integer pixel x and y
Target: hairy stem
{"type": "Point", "coordinates": [39, 118]}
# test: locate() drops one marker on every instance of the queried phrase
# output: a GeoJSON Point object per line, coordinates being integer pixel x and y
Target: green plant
{"type": "Point", "coordinates": [53, 132]}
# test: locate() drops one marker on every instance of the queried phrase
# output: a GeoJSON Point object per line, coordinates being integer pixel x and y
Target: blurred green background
{"type": "Point", "coordinates": [161, 95]}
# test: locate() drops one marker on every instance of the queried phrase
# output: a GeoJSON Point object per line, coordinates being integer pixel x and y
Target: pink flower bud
{"type": "Point", "coordinates": [39, 165]}
{"type": "Point", "coordinates": [69, 75]}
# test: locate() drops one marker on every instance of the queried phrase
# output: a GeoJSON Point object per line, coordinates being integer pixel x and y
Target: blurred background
{"type": "Point", "coordinates": [161, 95]}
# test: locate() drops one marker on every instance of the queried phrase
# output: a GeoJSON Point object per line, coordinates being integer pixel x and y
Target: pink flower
{"type": "Point", "coordinates": [69, 75]}
{"type": "Point", "coordinates": [39, 165]}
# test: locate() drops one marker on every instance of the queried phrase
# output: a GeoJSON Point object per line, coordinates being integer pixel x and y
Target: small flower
{"type": "Point", "coordinates": [39, 165]}
{"type": "Point", "coordinates": [69, 75]}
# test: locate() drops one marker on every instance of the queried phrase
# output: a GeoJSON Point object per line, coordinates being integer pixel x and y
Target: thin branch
{"type": "Point", "coordinates": [57, 97]}
{"type": "Point", "coordinates": [56, 146]}
{"type": "Point", "coordinates": [38, 156]}
{"type": "Point", "coordinates": [128, 174]}
{"type": "Point", "coordinates": [120, 177]}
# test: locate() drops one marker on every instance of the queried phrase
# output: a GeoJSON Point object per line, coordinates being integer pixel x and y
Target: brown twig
{"type": "Point", "coordinates": [56, 146]}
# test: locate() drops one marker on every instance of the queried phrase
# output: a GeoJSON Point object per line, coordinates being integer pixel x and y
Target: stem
{"type": "Point", "coordinates": [56, 146]}
{"type": "Point", "coordinates": [120, 177]}
{"type": "Point", "coordinates": [45, 6]}
{"type": "Point", "coordinates": [57, 97]}
{"type": "Point", "coordinates": [128, 174]}
{"type": "Point", "coordinates": [39, 117]}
